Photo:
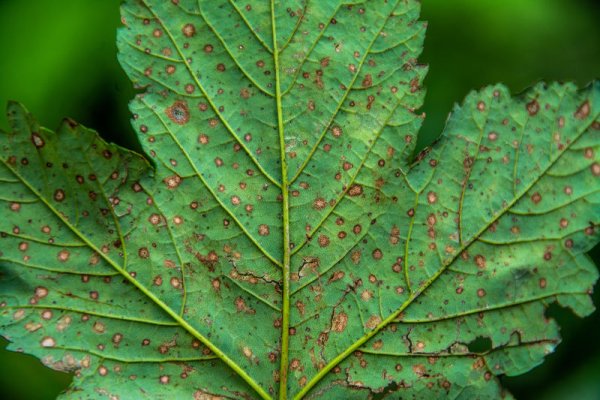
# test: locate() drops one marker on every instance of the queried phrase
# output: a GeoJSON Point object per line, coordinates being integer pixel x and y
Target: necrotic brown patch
{"type": "Point", "coordinates": [480, 261]}
{"type": "Point", "coordinates": [583, 111]}
{"type": "Point", "coordinates": [339, 322]}
{"type": "Point", "coordinates": [179, 112]}
{"type": "Point", "coordinates": [355, 190]}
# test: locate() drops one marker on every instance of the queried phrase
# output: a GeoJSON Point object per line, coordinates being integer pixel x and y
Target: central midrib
{"type": "Point", "coordinates": [285, 312]}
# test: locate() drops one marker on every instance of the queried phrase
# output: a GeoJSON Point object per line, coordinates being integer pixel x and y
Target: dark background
{"type": "Point", "coordinates": [58, 57]}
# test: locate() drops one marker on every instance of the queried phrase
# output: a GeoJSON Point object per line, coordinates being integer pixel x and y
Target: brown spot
{"type": "Point", "coordinates": [143, 252]}
{"type": "Point", "coordinates": [533, 107]}
{"type": "Point", "coordinates": [294, 364]}
{"type": "Point", "coordinates": [172, 181]}
{"type": "Point", "coordinates": [480, 292]}
{"type": "Point", "coordinates": [431, 197]}
{"type": "Point", "coordinates": [59, 195]}
{"type": "Point", "coordinates": [492, 136]}
{"type": "Point", "coordinates": [15, 207]}
{"type": "Point", "coordinates": [543, 283]}
{"type": "Point", "coordinates": [368, 81]}
{"type": "Point", "coordinates": [263, 230]}
{"type": "Point", "coordinates": [583, 111]}
{"type": "Point", "coordinates": [116, 339]}
{"type": "Point", "coordinates": [99, 327]}
{"type": "Point", "coordinates": [419, 369]}
{"type": "Point", "coordinates": [595, 169]}
{"type": "Point", "coordinates": [154, 219]}
{"type": "Point", "coordinates": [336, 276]}
{"type": "Point", "coordinates": [323, 241]}
{"type": "Point", "coordinates": [355, 190]}
{"type": "Point", "coordinates": [414, 85]}
{"type": "Point", "coordinates": [175, 282]}
{"type": "Point", "coordinates": [377, 254]}
{"type": "Point", "coordinates": [189, 30]}
{"type": "Point", "coordinates": [395, 235]}
{"type": "Point", "coordinates": [41, 292]}
{"type": "Point", "coordinates": [481, 106]}
{"type": "Point", "coordinates": [319, 204]}
{"type": "Point", "coordinates": [588, 153]}
{"type": "Point", "coordinates": [480, 261]}
{"type": "Point", "coordinates": [336, 131]}
{"type": "Point", "coordinates": [339, 322]}
{"type": "Point", "coordinates": [208, 48]}
{"type": "Point", "coordinates": [536, 198]}
{"type": "Point", "coordinates": [63, 255]}
{"type": "Point", "coordinates": [244, 93]}
{"type": "Point", "coordinates": [373, 321]}
{"type": "Point", "coordinates": [48, 341]}
{"type": "Point", "coordinates": [221, 67]}
{"type": "Point", "coordinates": [468, 162]}
{"type": "Point", "coordinates": [37, 140]}
{"type": "Point", "coordinates": [179, 112]}
{"type": "Point", "coordinates": [200, 395]}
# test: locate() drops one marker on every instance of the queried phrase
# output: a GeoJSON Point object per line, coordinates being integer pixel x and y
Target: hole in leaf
{"type": "Point", "coordinates": [480, 345]}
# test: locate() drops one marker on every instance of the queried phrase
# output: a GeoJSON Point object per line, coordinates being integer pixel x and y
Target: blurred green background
{"type": "Point", "coordinates": [59, 59]}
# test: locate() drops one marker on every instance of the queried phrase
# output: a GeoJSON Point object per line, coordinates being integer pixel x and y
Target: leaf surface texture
{"type": "Point", "coordinates": [280, 240]}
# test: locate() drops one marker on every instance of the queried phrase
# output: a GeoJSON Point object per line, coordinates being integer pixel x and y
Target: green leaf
{"type": "Point", "coordinates": [283, 243]}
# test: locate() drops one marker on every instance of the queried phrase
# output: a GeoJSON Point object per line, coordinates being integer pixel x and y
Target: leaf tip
{"type": "Point", "coordinates": [13, 108]}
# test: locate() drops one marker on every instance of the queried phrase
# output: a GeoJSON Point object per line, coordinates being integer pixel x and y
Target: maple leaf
{"type": "Point", "coordinates": [284, 242]}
